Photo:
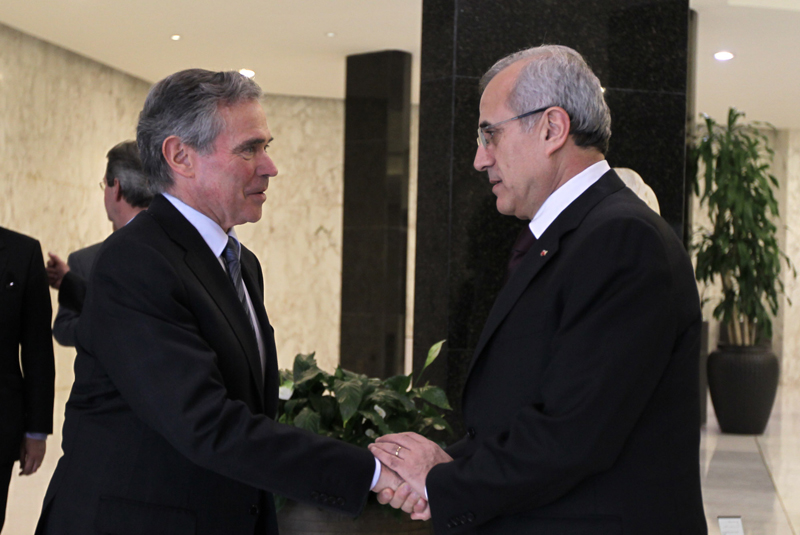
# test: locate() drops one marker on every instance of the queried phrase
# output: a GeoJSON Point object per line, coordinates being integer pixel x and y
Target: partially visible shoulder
{"type": "Point", "coordinates": [17, 240]}
{"type": "Point", "coordinates": [86, 253]}
{"type": "Point", "coordinates": [128, 247]}
{"type": "Point", "coordinates": [624, 207]}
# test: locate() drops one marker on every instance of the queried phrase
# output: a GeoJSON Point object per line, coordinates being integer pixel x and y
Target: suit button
{"type": "Point", "coordinates": [471, 432]}
{"type": "Point", "coordinates": [470, 517]}
{"type": "Point", "coordinates": [340, 502]}
{"type": "Point", "coordinates": [315, 495]}
{"type": "Point", "coordinates": [450, 525]}
{"type": "Point", "coordinates": [254, 510]}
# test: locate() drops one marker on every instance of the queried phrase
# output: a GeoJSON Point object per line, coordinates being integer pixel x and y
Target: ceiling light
{"type": "Point", "coordinates": [247, 73]}
{"type": "Point", "coordinates": [723, 56]}
{"type": "Point", "coordinates": [331, 34]}
{"type": "Point", "coordinates": [176, 37]}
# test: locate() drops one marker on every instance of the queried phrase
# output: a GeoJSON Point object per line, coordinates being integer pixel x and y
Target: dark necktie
{"type": "Point", "coordinates": [231, 255]}
{"type": "Point", "coordinates": [524, 242]}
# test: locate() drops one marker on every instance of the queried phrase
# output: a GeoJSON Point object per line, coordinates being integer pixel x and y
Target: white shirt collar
{"type": "Point", "coordinates": [558, 201]}
{"type": "Point", "coordinates": [212, 233]}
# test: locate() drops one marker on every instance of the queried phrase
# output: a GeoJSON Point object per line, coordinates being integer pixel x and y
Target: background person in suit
{"type": "Point", "coordinates": [126, 193]}
{"type": "Point", "coordinates": [581, 399]}
{"type": "Point", "coordinates": [170, 423]}
{"type": "Point", "coordinates": [26, 393]}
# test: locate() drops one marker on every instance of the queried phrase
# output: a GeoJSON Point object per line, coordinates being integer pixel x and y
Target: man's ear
{"type": "Point", "coordinates": [179, 156]}
{"type": "Point", "coordinates": [118, 191]}
{"type": "Point", "coordinates": [556, 129]}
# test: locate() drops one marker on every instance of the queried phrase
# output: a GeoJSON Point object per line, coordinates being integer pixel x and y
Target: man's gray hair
{"type": "Point", "coordinates": [185, 104]}
{"type": "Point", "coordinates": [557, 75]}
{"type": "Point", "coordinates": [125, 166]}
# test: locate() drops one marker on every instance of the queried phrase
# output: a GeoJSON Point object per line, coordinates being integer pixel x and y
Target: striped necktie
{"type": "Point", "coordinates": [231, 255]}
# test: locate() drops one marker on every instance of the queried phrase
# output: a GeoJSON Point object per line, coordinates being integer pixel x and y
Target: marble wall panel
{"type": "Point", "coordinates": [59, 115]}
{"type": "Point", "coordinates": [790, 372]}
{"type": "Point", "coordinates": [299, 238]}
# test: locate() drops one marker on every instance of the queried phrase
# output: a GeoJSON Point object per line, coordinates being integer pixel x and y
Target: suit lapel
{"type": "Point", "coordinates": [544, 251]}
{"type": "Point", "coordinates": [250, 274]}
{"type": "Point", "coordinates": [208, 270]}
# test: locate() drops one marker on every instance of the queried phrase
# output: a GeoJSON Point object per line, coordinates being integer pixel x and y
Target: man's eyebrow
{"type": "Point", "coordinates": [252, 142]}
{"type": "Point", "coordinates": [485, 124]}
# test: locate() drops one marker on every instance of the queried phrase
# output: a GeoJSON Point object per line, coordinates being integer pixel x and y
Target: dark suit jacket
{"type": "Point", "coordinates": [581, 402]}
{"type": "Point", "coordinates": [72, 293]}
{"type": "Point", "coordinates": [26, 395]}
{"type": "Point", "coordinates": [169, 427]}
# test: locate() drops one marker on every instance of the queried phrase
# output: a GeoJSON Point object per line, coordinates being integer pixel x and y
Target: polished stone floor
{"type": "Point", "coordinates": [755, 478]}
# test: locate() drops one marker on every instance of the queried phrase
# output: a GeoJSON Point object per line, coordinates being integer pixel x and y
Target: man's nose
{"type": "Point", "coordinates": [483, 159]}
{"type": "Point", "coordinates": [267, 166]}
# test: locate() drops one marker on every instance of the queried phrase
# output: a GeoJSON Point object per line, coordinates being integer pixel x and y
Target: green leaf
{"type": "Point", "coordinates": [433, 352]}
{"type": "Point", "coordinates": [399, 383]}
{"type": "Point", "coordinates": [377, 420]}
{"type": "Point", "coordinates": [302, 363]}
{"type": "Point", "coordinates": [309, 378]}
{"type": "Point", "coordinates": [348, 395]}
{"type": "Point", "coordinates": [437, 422]}
{"type": "Point", "coordinates": [308, 420]}
{"type": "Point", "coordinates": [389, 398]}
{"type": "Point", "coordinates": [434, 395]}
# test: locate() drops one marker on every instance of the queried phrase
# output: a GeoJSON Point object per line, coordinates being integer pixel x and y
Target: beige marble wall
{"type": "Point", "coordinates": [59, 115]}
{"type": "Point", "coordinates": [299, 238]}
{"type": "Point", "coordinates": [411, 257]}
{"type": "Point", "coordinates": [789, 149]}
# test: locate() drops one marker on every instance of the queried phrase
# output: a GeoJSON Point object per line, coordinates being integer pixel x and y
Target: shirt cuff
{"type": "Point", "coordinates": [377, 474]}
{"type": "Point", "coordinates": [36, 436]}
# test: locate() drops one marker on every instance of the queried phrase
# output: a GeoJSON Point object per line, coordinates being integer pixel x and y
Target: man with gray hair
{"type": "Point", "coordinates": [125, 194]}
{"type": "Point", "coordinates": [581, 401]}
{"type": "Point", "coordinates": [170, 424]}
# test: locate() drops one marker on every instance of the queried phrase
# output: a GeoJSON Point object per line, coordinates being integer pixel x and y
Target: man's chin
{"type": "Point", "coordinates": [503, 208]}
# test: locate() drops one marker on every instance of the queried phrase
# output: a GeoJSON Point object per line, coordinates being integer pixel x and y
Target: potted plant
{"type": "Point", "coordinates": [740, 250]}
{"type": "Point", "coordinates": [356, 409]}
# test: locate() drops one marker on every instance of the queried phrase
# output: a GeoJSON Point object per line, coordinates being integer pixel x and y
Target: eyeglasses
{"type": "Point", "coordinates": [484, 131]}
{"type": "Point", "coordinates": [103, 184]}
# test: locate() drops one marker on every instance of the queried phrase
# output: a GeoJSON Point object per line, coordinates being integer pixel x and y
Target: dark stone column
{"type": "Point", "coordinates": [377, 122]}
{"type": "Point", "coordinates": [638, 49]}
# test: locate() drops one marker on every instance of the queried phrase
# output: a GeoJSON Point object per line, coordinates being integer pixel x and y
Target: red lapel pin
{"type": "Point", "coordinates": [544, 252]}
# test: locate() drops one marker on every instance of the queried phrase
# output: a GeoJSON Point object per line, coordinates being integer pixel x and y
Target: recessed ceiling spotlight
{"type": "Point", "coordinates": [723, 55]}
{"type": "Point", "coordinates": [330, 34]}
{"type": "Point", "coordinates": [247, 73]}
{"type": "Point", "coordinates": [176, 37]}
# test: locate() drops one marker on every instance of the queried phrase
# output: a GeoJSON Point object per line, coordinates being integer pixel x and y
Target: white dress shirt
{"type": "Point", "coordinates": [558, 201]}
{"type": "Point", "coordinates": [217, 239]}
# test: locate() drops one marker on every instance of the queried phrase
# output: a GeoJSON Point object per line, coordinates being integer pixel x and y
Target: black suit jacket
{"type": "Point", "coordinates": [72, 293]}
{"type": "Point", "coordinates": [582, 397]}
{"type": "Point", "coordinates": [26, 395]}
{"type": "Point", "coordinates": [169, 427]}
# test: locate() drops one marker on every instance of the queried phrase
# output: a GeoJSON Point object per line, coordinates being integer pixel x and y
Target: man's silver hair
{"type": "Point", "coordinates": [125, 166]}
{"type": "Point", "coordinates": [557, 75]}
{"type": "Point", "coordinates": [185, 104]}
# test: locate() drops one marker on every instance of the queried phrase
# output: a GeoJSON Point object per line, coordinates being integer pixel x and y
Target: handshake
{"type": "Point", "coordinates": [406, 458]}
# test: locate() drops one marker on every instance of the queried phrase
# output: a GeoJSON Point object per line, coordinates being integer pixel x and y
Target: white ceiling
{"type": "Point", "coordinates": [285, 43]}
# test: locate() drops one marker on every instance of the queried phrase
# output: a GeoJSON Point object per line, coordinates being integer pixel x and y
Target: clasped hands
{"type": "Point", "coordinates": [406, 458]}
